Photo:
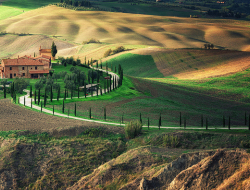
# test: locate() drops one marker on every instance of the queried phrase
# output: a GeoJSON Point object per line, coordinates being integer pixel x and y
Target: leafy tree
{"type": "Point", "coordinates": [53, 49]}
{"type": "Point", "coordinates": [20, 84]}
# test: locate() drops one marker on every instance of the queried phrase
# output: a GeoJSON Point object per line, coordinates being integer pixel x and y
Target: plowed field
{"type": "Point", "coordinates": [14, 117]}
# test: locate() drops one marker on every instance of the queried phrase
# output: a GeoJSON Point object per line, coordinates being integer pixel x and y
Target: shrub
{"type": "Point", "coordinates": [118, 49]}
{"type": "Point", "coordinates": [133, 129]}
{"type": "Point", "coordinates": [171, 141]}
{"type": "Point", "coordinates": [108, 53]}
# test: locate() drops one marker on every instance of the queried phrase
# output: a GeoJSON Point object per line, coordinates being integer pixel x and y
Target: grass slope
{"type": "Point", "coordinates": [6, 12]}
{"type": "Point", "coordinates": [135, 65]}
{"type": "Point", "coordinates": [28, 4]}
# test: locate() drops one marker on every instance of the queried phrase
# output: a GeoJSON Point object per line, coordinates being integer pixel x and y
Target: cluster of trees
{"type": "Point", "coordinates": [209, 46]}
{"type": "Point", "coordinates": [117, 50]}
{"type": "Point", "coordinates": [70, 61]}
{"type": "Point", "coordinates": [223, 13]}
{"type": "Point", "coordinates": [77, 3]}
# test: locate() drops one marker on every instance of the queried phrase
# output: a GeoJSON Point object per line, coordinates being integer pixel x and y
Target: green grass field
{"type": "Point", "coordinates": [27, 5]}
{"type": "Point", "coordinates": [135, 65]}
{"type": "Point", "coordinates": [6, 12]}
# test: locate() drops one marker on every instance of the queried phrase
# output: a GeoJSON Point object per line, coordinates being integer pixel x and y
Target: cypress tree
{"type": "Point", "coordinates": [41, 106]}
{"type": "Point", "coordinates": [71, 93]}
{"type": "Point", "coordinates": [229, 122]}
{"type": "Point", "coordinates": [11, 90]}
{"type": "Point", "coordinates": [110, 84]}
{"type": "Point", "coordinates": [30, 91]}
{"type": "Point", "coordinates": [245, 118]}
{"type": "Point", "coordinates": [85, 62]}
{"type": "Point", "coordinates": [91, 90]}
{"type": "Point", "coordinates": [106, 66]}
{"type": "Point", "coordinates": [96, 90]}
{"type": "Point", "coordinates": [113, 84]}
{"type": "Point", "coordinates": [78, 92]}
{"type": "Point", "coordinates": [53, 109]}
{"type": "Point", "coordinates": [68, 112]}
{"type": "Point", "coordinates": [101, 64]}
{"type": "Point", "coordinates": [85, 90]}
{"type": "Point", "coordinates": [92, 76]}
{"type": "Point", "coordinates": [38, 96]}
{"type": "Point", "coordinates": [63, 107]}
{"type": "Point", "coordinates": [75, 109]}
{"type": "Point", "coordinates": [58, 93]}
{"type": "Point", "coordinates": [35, 96]}
{"type": "Point", "coordinates": [65, 94]}
{"type": "Point", "coordinates": [14, 96]}
{"type": "Point", "coordinates": [201, 120]}
{"type": "Point", "coordinates": [24, 100]}
{"type": "Point", "coordinates": [148, 123]}
{"type": "Point", "coordinates": [224, 121]}
{"type": "Point", "coordinates": [31, 103]}
{"type": "Point", "coordinates": [97, 64]}
{"type": "Point", "coordinates": [105, 113]}
{"type": "Point", "coordinates": [51, 93]}
{"type": "Point", "coordinates": [101, 90]}
{"type": "Point", "coordinates": [140, 118]}
{"type": "Point", "coordinates": [115, 69]}
{"type": "Point", "coordinates": [159, 124]}
{"type": "Point", "coordinates": [206, 124]}
{"type": "Point", "coordinates": [4, 91]}
{"type": "Point", "coordinates": [122, 118]}
{"type": "Point", "coordinates": [249, 122]}
{"type": "Point", "coordinates": [45, 98]}
{"type": "Point", "coordinates": [89, 113]}
{"type": "Point", "coordinates": [180, 119]}
{"type": "Point", "coordinates": [185, 122]}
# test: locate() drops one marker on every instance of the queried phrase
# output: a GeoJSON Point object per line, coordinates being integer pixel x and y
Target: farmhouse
{"type": "Point", "coordinates": [26, 66]}
{"type": "Point", "coordinates": [46, 52]}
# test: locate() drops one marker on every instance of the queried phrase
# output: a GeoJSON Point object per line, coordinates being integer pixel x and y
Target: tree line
{"type": "Point", "coordinates": [77, 3]}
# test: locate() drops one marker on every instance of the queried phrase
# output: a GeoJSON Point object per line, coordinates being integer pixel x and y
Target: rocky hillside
{"type": "Point", "coordinates": [221, 169]}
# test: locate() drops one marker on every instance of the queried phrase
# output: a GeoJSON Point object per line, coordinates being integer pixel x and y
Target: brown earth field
{"type": "Point", "coordinates": [169, 100]}
{"type": "Point", "coordinates": [133, 29]}
{"type": "Point", "coordinates": [14, 117]}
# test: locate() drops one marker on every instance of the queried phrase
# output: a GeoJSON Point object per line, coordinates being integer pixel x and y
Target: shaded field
{"type": "Point", "coordinates": [168, 100]}
{"type": "Point", "coordinates": [134, 29]}
{"type": "Point", "coordinates": [233, 87]}
{"type": "Point", "coordinates": [14, 117]}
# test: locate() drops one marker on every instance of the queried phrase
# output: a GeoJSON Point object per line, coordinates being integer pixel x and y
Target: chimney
{"type": "Point", "coordinates": [18, 57]}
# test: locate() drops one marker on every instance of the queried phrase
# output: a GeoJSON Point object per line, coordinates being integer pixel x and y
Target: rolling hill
{"type": "Point", "coordinates": [169, 32]}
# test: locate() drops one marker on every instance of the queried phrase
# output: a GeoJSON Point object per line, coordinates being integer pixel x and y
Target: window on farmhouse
{"type": "Point", "coordinates": [35, 67]}
{"type": "Point", "coordinates": [23, 74]}
{"type": "Point", "coordinates": [23, 68]}
{"type": "Point", "coordinates": [14, 74]}
{"type": "Point", "coordinates": [10, 68]}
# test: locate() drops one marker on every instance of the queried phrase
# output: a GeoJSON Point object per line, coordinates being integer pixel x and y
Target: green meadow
{"type": "Point", "coordinates": [135, 65]}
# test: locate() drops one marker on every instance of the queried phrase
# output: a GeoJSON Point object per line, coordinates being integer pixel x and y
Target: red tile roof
{"type": "Point", "coordinates": [38, 71]}
{"type": "Point", "coordinates": [20, 62]}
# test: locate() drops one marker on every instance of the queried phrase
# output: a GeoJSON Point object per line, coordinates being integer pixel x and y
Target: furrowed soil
{"type": "Point", "coordinates": [14, 117]}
